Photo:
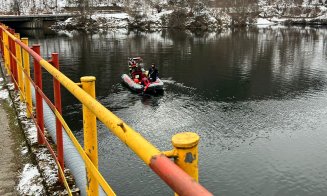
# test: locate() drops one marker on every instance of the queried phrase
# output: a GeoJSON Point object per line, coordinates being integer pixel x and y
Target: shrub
{"type": "Point", "coordinates": [178, 18]}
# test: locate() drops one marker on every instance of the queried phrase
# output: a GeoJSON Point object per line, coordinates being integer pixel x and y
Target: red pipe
{"type": "Point", "coordinates": [39, 104]}
{"type": "Point", "coordinates": [176, 178]}
{"type": "Point", "coordinates": [57, 100]}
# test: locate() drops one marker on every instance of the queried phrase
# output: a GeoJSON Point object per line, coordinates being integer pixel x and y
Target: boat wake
{"type": "Point", "coordinates": [173, 82]}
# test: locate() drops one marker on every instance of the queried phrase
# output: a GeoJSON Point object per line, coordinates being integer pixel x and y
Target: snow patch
{"type": "Point", "coordinates": [263, 21]}
{"type": "Point", "coordinates": [4, 94]}
{"type": "Point", "coordinates": [24, 150]}
{"type": "Point", "coordinates": [32, 134]}
{"type": "Point", "coordinates": [48, 166]}
{"type": "Point", "coordinates": [11, 86]}
{"type": "Point", "coordinates": [30, 182]}
{"type": "Point", "coordinates": [110, 16]}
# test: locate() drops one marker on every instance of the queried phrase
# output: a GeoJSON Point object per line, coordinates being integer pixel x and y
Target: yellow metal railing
{"type": "Point", "coordinates": [185, 152]}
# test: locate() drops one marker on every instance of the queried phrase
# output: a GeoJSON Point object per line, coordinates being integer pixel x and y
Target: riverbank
{"type": "Point", "coordinates": [200, 18]}
{"type": "Point", "coordinates": [150, 16]}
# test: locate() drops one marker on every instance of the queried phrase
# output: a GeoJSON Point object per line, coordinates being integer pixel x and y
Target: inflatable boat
{"type": "Point", "coordinates": [138, 80]}
{"type": "Point", "coordinates": [154, 87]}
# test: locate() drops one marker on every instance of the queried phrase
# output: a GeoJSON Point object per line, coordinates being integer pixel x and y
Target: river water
{"type": "Point", "coordinates": [257, 97]}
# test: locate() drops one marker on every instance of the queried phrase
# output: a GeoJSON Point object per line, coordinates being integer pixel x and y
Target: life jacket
{"type": "Point", "coordinates": [137, 74]}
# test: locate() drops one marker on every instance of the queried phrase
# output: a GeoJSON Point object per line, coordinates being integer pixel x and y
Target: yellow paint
{"type": "Point", "coordinates": [28, 94]}
{"type": "Point", "coordinates": [144, 149]}
{"type": "Point", "coordinates": [186, 146]}
{"type": "Point", "coordinates": [171, 153]}
{"type": "Point", "coordinates": [67, 82]}
{"type": "Point", "coordinates": [64, 179]}
{"type": "Point", "coordinates": [19, 68]}
{"type": "Point", "coordinates": [107, 189]}
{"type": "Point", "coordinates": [6, 52]}
{"type": "Point", "coordinates": [90, 136]}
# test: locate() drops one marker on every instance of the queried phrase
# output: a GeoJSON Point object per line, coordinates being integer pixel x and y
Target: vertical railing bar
{"type": "Point", "coordinates": [90, 136]}
{"type": "Point", "coordinates": [14, 65]}
{"type": "Point", "coordinates": [38, 83]}
{"type": "Point", "coordinates": [57, 100]}
{"type": "Point", "coordinates": [28, 94]}
{"type": "Point", "coordinates": [1, 43]}
{"type": "Point", "coordinates": [19, 66]}
{"type": "Point", "coordinates": [11, 58]}
{"type": "Point", "coordinates": [6, 52]}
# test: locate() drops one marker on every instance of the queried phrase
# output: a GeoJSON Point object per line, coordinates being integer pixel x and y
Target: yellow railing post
{"type": "Point", "coordinates": [90, 136]}
{"type": "Point", "coordinates": [28, 94]}
{"type": "Point", "coordinates": [186, 146]}
{"type": "Point", "coordinates": [186, 151]}
{"type": "Point", "coordinates": [4, 46]}
{"type": "Point", "coordinates": [6, 52]}
{"type": "Point", "coordinates": [19, 69]}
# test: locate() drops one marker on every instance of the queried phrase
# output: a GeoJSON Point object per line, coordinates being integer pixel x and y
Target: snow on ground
{"type": "Point", "coordinates": [156, 19]}
{"type": "Point", "coordinates": [278, 20]}
{"type": "Point", "coordinates": [263, 21]}
{"type": "Point", "coordinates": [115, 20]}
{"type": "Point", "coordinates": [4, 94]}
{"type": "Point", "coordinates": [157, 16]}
{"type": "Point", "coordinates": [24, 150]}
{"type": "Point", "coordinates": [28, 125]}
{"type": "Point", "coordinates": [30, 179]}
{"type": "Point", "coordinates": [61, 3]}
{"type": "Point", "coordinates": [114, 15]}
{"type": "Point", "coordinates": [11, 86]}
{"type": "Point", "coordinates": [30, 182]}
{"type": "Point", "coordinates": [48, 166]}
{"type": "Point", "coordinates": [31, 134]}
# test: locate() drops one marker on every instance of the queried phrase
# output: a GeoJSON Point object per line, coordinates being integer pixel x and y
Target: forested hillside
{"type": "Point", "coordinates": [49, 6]}
{"type": "Point", "coordinates": [189, 14]}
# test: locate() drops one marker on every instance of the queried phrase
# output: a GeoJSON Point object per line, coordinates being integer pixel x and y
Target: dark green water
{"type": "Point", "coordinates": [257, 97]}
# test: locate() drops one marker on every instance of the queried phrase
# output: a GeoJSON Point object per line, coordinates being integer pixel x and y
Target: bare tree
{"type": "Point", "coordinates": [16, 7]}
{"type": "Point", "coordinates": [84, 8]}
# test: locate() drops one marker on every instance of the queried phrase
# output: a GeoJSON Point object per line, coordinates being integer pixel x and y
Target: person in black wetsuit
{"type": "Point", "coordinates": [153, 73]}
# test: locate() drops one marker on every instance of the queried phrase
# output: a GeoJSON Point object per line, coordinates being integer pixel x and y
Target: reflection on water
{"type": "Point", "coordinates": [256, 97]}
